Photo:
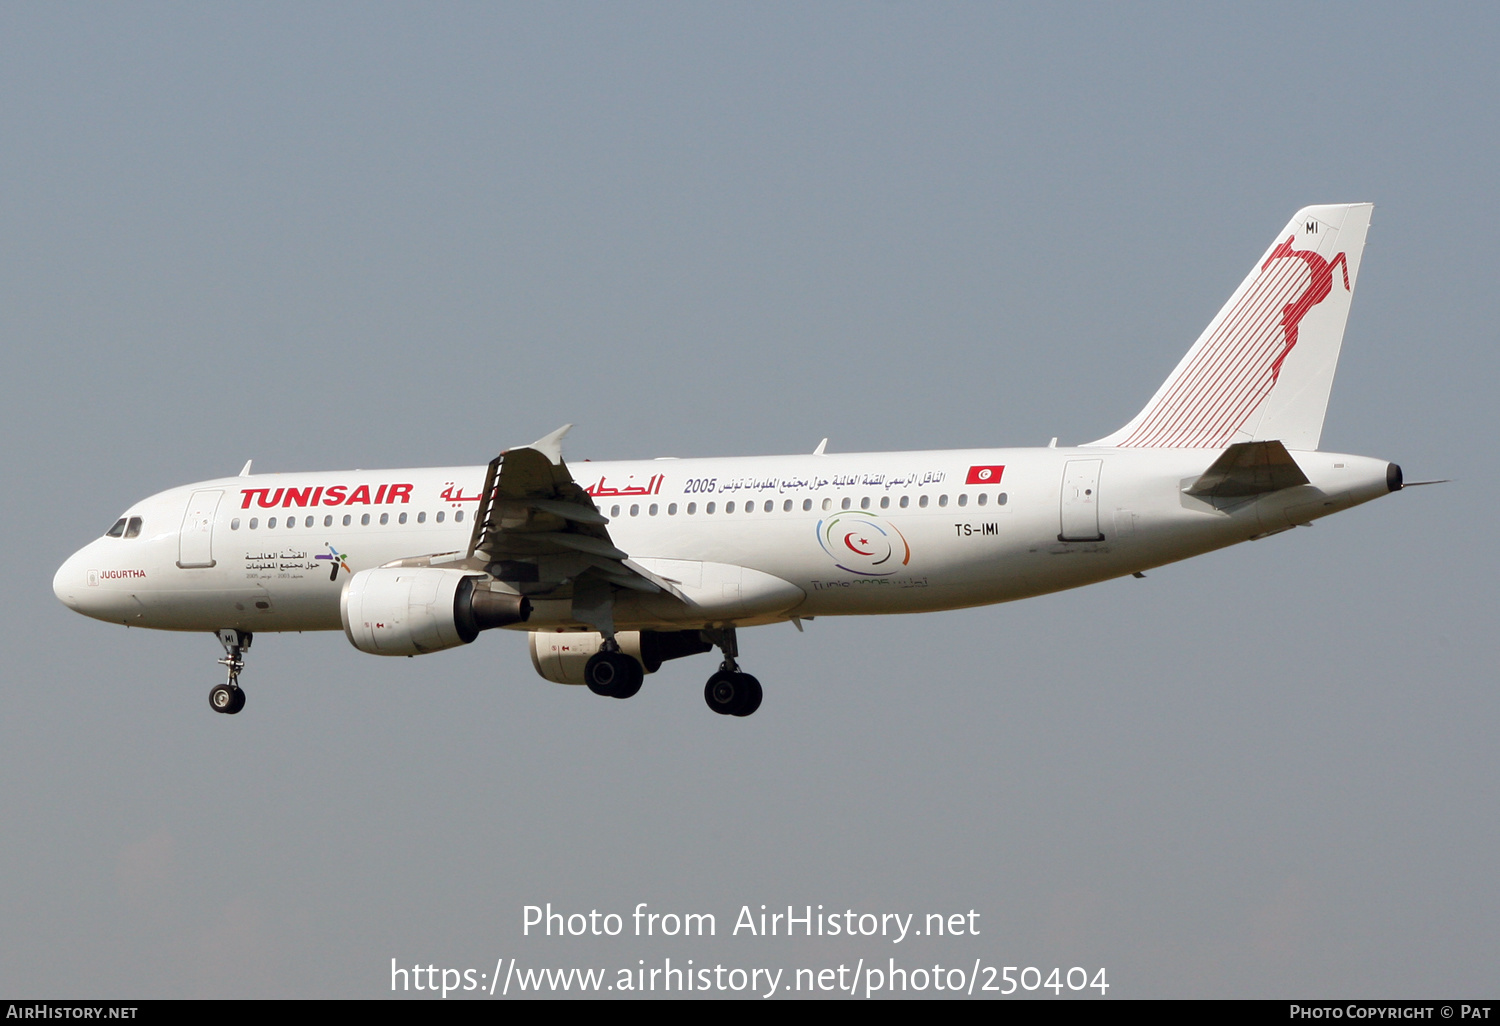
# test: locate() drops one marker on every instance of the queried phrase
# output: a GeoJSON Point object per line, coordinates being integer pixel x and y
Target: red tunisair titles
{"type": "Point", "coordinates": [333, 495]}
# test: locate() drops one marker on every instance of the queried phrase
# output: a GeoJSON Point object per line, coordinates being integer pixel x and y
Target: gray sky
{"type": "Point", "coordinates": [376, 235]}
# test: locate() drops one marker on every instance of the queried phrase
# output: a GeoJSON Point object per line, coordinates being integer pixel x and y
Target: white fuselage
{"type": "Point", "coordinates": [801, 536]}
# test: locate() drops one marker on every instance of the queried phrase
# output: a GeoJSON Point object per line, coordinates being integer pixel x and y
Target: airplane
{"type": "Point", "coordinates": [613, 568]}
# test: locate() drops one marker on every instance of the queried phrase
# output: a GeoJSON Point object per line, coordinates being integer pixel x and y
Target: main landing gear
{"type": "Point", "coordinates": [227, 697]}
{"type": "Point", "coordinates": [730, 691]}
{"type": "Point", "coordinates": [612, 673]}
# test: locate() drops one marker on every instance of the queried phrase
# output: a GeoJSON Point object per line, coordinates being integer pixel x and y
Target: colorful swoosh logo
{"type": "Point", "coordinates": [863, 544]}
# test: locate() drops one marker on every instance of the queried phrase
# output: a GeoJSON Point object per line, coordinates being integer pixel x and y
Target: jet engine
{"type": "Point", "coordinates": [560, 657]}
{"type": "Point", "coordinates": [401, 611]}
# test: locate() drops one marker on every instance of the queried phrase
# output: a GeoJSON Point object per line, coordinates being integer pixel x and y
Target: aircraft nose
{"type": "Point", "coordinates": [68, 583]}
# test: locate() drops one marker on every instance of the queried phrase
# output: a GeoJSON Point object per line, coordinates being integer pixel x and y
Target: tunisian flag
{"type": "Point", "coordinates": [984, 475]}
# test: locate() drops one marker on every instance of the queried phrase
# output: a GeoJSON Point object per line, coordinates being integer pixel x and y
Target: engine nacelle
{"type": "Point", "coordinates": [560, 657]}
{"type": "Point", "coordinates": [401, 611]}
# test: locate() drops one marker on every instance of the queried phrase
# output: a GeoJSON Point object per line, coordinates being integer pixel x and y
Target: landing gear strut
{"type": "Point", "coordinates": [612, 673]}
{"type": "Point", "coordinates": [227, 697]}
{"type": "Point", "coordinates": [730, 691]}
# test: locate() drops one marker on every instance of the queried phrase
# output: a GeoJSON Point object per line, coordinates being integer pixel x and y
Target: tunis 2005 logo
{"type": "Point", "coordinates": [340, 561]}
{"type": "Point", "coordinates": [863, 544]}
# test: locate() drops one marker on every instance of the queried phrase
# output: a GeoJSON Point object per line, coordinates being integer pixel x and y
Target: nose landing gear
{"type": "Point", "coordinates": [227, 697]}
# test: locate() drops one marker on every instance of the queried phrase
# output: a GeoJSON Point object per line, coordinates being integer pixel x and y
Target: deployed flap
{"type": "Point", "coordinates": [1249, 468]}
{"type": "Point", "coordinates": [530, 500]}
{"type": "Point", "coordinates": [537, 530]}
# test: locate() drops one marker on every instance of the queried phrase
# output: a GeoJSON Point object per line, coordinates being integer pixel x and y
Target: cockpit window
{"type": "Point", "coordinates": [116, 531]}
{"type": "Point", "coordinates": [133, 528]}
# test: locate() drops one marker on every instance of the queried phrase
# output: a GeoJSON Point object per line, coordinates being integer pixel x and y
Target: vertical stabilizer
{"type": "Point", "coordinates": [1263, 367]}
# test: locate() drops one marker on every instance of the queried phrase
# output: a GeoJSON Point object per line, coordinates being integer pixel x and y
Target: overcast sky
{"type": "Point", "coordinates": [364, 235]}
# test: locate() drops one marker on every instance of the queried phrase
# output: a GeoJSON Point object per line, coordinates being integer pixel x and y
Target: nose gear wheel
{"type": "Point", "coordinates": [227, 697]}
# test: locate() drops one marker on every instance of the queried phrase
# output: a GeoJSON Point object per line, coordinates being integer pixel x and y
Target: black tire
{"type": "Point", "coordinates": [751, 700]}
{"type": "Point", "coordinates": [221, 699]}
{"type": "Point", "coordinates": [724, 692]}
{"type": "Point", "coordinates": [239, 702]}
{"type": "Point", "coordinates": [611, 674]}
{"type": "Point", "coordinates": [630, 683]}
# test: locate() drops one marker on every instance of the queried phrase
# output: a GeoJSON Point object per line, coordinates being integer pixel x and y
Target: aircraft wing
{"type": "Point", "coordinates": [537, 530]}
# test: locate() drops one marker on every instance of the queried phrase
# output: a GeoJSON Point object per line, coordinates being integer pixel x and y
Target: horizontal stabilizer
{"type": "Point", "coordinates": [1249, 468]}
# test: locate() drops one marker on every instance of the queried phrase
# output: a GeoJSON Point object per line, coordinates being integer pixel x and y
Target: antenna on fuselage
{"type": "Point", "coordinates": [245, 470]}
{"type": "Point", "coordinates": [821, 446]}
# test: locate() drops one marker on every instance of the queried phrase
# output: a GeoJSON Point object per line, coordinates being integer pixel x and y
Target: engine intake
{"type": "Point", "coordinates": [400, 611]}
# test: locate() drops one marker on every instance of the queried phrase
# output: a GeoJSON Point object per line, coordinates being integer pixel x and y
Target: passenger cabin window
{"type": "Point", "coordinates": [385, 518]}
{"type": "Point", "coordinates": [459, 517]}
{"type": "Point", "coordinates": [254, 523]}
{"type": "Point", "coordinates": [117, 531]}
{"type": "Point", "coordinates": [806, 505]}
{"type": "Point", "coordinates": [348, 519]}
{"type": "Point", "coordinates": [440, 516]}
{"type": "Point", "coordinates": [922, 502]}
{"type": "Point", "coordinates": [234, 525]}
{"type": "Point", "coordinates": [692, 508]}
{"type": "Point", "coordinates": [905, 501]}
{"type": "Point", "coordinates": [364, 521]}
{"type": "Point", "coordinates": [422, 517]}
